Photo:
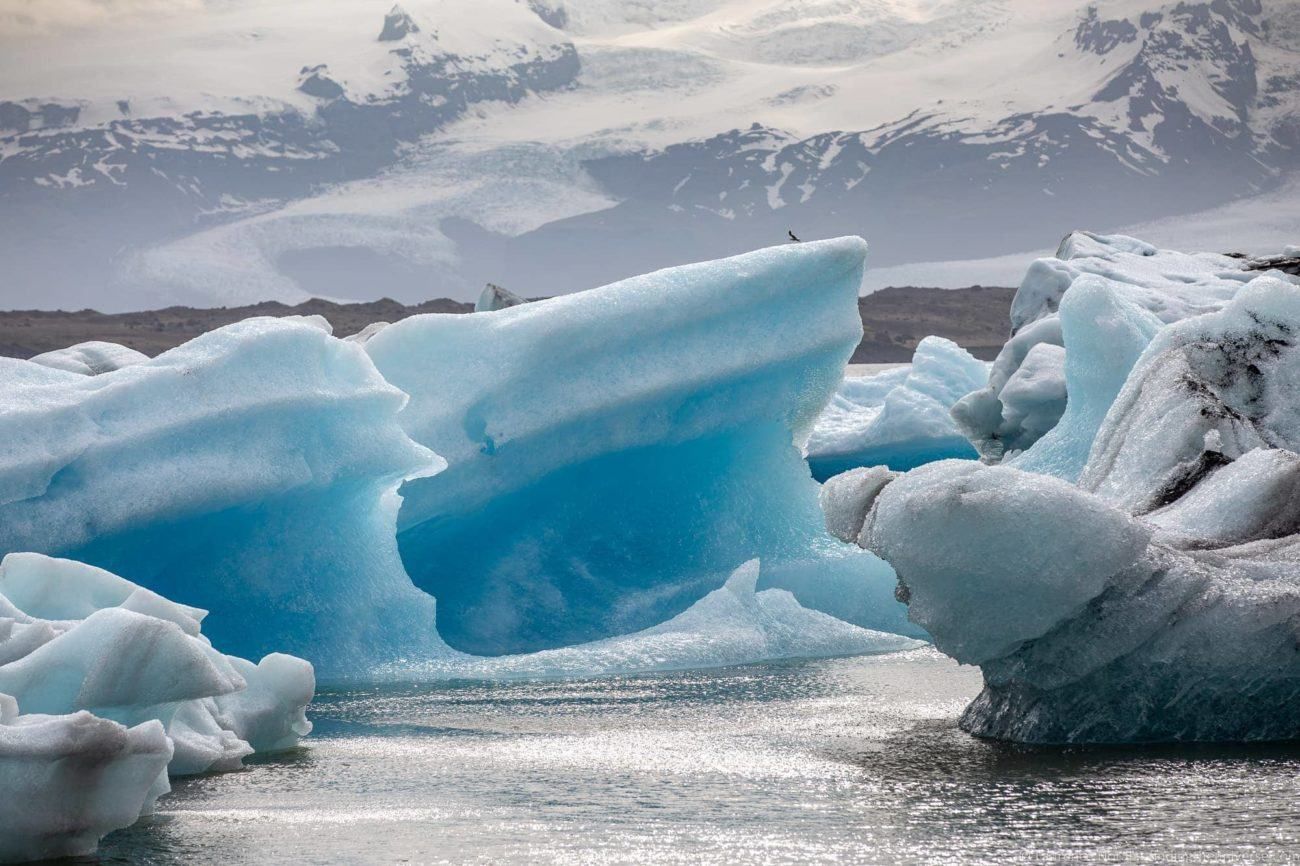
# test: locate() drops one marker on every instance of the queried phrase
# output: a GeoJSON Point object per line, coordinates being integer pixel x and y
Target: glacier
{"type": "Point", "coordinates": [106, 689]}
{"type": "Point", "coordinates": [1130, 577]}
{"type": "Point", "coordinates": [612, 456]}
{"type": "Point", "coordinates": [900, 418]}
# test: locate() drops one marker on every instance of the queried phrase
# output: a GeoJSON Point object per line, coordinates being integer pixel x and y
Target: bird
{"type": "Point", "coordinates": [792, 237]}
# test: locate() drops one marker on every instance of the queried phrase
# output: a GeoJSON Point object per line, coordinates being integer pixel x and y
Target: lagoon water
{"type": "Point", "coordinates": [845, 760]}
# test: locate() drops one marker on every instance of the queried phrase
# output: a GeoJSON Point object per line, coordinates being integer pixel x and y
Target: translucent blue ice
{"type": "Point", "coordinates": [249, 472]}
{"type": "Point", "coordinates": [899, 418]}
{"type": "Point", "coordinates": [614, 455]}
{"type": "Point", "coordinates": [611, 459]}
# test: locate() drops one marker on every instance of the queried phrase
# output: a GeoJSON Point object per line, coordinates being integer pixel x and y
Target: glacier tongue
{"type": "Point", "coordinates": [1140, 583]}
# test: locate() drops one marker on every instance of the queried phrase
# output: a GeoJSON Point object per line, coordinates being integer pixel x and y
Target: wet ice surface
{"type": "Point", "coordinates": [847, 759]}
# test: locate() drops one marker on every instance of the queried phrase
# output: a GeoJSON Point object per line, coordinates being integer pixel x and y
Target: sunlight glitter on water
{"type": "Point", "coordinates": [841, 760]}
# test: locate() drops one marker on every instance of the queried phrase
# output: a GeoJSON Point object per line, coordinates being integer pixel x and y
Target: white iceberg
{"type": "Point", "coordinates": [900, 418]}
{"type": "Point", "coordinates": [67, 781]}
{"type": "Point", "coordinates": [118, 689]}
{"type": "Point", "coordinates": [1166, 284]}
{"type": "Point", "coordinates": [1155, 599]}
{"type": "Point", "coordinates": [74, 637]}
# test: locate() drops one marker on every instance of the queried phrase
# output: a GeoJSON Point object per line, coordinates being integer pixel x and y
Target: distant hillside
{"type": "Point", "coordinates": [893, 321]}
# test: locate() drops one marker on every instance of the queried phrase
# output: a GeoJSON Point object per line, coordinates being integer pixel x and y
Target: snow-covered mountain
{"type": "Point", "coordinates": [224, 151]}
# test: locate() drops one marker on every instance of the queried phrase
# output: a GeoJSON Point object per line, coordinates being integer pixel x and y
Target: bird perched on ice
{"type": "Point", "coordinates": [793, 239]}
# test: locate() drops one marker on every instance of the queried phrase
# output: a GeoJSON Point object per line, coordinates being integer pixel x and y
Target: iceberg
{"type": "Point", "coordinates": [494, 297]}
{"type": "Point", "coordinates": [1026, 391]}
{"type": "Point", "coordinates": [77, 638]}
{"type": "Point", "coordinates": [252, 468]}
{"type": "Point", "coordinates": [900, 418]}
{"type": "Point", "coordinates": [1151, 595]}
{"type": "Point", "coordinates": [613, 455]}
{"type": "Point", "coordinates": [611, 458]}
{"type": "Point", "coordinates": [118, 689]}
{"type": "Point", "coordinates": [67, 781]}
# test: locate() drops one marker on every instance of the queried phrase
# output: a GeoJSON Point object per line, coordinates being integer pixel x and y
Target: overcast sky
{"type": "Point", "coordinates": [34, 16]}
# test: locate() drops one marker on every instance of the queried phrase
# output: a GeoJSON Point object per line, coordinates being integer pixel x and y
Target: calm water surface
{"type": "Point", "coordinates": [850, 760]}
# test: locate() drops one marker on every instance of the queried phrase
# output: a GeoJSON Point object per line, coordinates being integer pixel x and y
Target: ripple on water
{"type": "Point", "coordinates": [847, 759]}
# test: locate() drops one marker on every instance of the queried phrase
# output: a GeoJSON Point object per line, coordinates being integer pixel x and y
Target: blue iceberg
{"type": "Point", "coordinates": [250, 470]}
{"type": "Point", "coordinates": [608, 460]}
{"type": "Point", "coordinates": [614, 455]}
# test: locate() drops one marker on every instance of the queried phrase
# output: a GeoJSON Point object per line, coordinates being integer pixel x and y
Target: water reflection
{"type": "Point", "coordinates": [850, 759]}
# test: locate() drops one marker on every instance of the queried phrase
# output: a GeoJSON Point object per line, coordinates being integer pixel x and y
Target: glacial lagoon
{"type": "Point", "coordinates": [840, 760]}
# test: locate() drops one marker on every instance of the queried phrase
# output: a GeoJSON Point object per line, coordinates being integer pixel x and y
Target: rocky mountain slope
{"type": "Point", "coordinates": [250, 151]}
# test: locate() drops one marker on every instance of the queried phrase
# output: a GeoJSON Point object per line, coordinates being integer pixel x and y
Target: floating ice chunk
{"type": "Point", "coordinates": [734, 624]}
{"type": "Point", "coordinates": [494, 297]}
{"type": "Point", "coordinates": [1156, 599]}
{"type": "Point", "coordinates": [613, 454]}
{"type": "Point", "coordinates": [251, 469]}
{"type": "Point", "coordinates": [902, 420]}
{"type": "Point", "coordinates": [1169, 285]}
{"type": "Point", "coordinates": [91, 359]}
{"type": "Point", "coordinates": [129, 655]}
{"type": "Point", "coordinates": [66, 781]}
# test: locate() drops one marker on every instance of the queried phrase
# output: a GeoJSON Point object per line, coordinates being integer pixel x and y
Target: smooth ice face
{"type": "Point", "coordinates": [614, 454]}
{"type": "Point", "coordinates": [899, 418]}
{"type": "Point", "coordinates": [251, 469]}
{"type": "Point", "coordinates": [1165, 578]}
{"type": "Point", "coordinates": [107, 688]}
{"type": "Point", "coordinates": [980, 593]}
{"type": "Point", "coordinates": [1104, 333]}
{"type": "Point", "coordinates": [1167, 285]}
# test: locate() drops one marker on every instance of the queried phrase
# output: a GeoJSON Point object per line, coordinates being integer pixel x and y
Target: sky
{"type": "Point", "coordinates": [18, 17]}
